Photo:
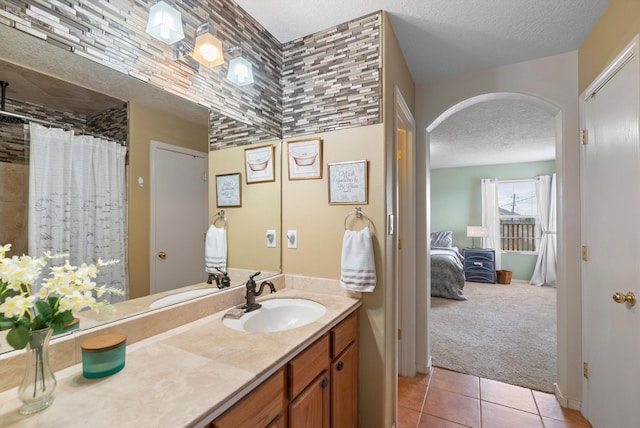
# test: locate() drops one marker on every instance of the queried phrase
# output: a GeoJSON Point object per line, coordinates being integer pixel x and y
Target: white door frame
{"type": "Point", "coordinates": [405, 272]}
{"type": "Point", "coordinates": [153, 147]}
{"type": "Point", "coordinates": [630, 53]}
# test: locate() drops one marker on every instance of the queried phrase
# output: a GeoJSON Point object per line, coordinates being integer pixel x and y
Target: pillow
{"type": "Point", "coordinates": [442, 239]}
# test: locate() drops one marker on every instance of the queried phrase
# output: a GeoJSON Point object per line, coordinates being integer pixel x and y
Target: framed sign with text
{"type": "Point", "coordinates": [348, 182]}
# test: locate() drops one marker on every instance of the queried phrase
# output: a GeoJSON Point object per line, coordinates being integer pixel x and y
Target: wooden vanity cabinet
{"type": "Point", "coordinates": [323, 380]}
{"type": "Point", "coordinates": [262, 407]}
{"type": "Point", "coordinates": [316, 389]}
{"type": "Point", "coordinates": [344, 373]}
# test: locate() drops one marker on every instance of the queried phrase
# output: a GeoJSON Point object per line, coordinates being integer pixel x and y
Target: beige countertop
{"type": "Point", "coordinates": [183, 377]}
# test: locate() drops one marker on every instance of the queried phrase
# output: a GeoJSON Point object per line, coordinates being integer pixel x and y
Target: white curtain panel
{"type": "Point", "coordinates": [77, 201]}
{"type": "Point", "coordinates": [545, 271]}
{"type": "Point", "coordinates": [491, 217]}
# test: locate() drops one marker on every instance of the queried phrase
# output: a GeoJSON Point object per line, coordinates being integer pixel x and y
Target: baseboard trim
{"type": "Point", "coordinates": [425, 368]}
{"type": "Point", "coordinates": [564, 401]}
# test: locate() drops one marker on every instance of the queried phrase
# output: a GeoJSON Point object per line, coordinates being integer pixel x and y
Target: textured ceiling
{"type": "Point", "coordinates": [494, 132]}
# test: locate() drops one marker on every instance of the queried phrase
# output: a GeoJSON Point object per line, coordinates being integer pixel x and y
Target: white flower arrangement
{"type": "Point", "coordinates": [68, 290]}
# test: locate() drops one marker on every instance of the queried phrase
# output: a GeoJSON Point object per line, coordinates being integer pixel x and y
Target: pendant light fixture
{"type": "Point", "coordinates": [208, 48]}
{"type": "Point", "coordinates": [240, 71]}
{"type": "Point", "coordinates": [165, 22]}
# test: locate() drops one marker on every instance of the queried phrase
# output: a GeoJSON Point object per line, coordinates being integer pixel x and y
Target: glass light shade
{"type": "Point", "coordinates": [208, 50]}
{"type": "Point", "coordinates": [240, 71]}
{"type": "Point", "coordinates": [165, 23]}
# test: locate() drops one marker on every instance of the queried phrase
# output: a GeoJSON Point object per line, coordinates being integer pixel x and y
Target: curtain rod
{"type": "Point", "coordinates": [61, 125]}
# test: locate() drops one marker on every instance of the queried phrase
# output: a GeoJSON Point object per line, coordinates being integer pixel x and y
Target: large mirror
{"type": "Point", "coordinates": [60, 81]}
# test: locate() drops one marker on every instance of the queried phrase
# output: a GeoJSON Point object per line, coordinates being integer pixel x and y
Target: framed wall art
{"type": "Point", "coordinates": [305, 159]}
{"type": "Point", "coordinates": [228, 190]}
{"type": "Point", "coordinates": [348, 182]}
{"type": "Point", "coordinates": [259, 164]}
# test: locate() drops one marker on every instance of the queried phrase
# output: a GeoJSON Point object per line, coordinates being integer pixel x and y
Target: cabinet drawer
{"type": "Point", "coordinates": [304, 368]}
{"type": "Point", "coordinates": [344, 333]}
{"type": "Point", "coordinates": [478, 255]}
{"type": "Point", "coordinates": [479, 266]}
{"type": "Point", "coordinates": [259, 408]}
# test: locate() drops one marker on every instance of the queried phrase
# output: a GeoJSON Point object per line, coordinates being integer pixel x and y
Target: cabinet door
{"type": "Point", "coordinates": [344, 389]}
{"type": "Point", "coordinates": [260, 408]}
{"type": "Point", "coordinates": [311, 409]}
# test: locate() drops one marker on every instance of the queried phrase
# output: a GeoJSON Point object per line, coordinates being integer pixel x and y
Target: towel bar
{"type": "Point", "coordinates": [357, 212]}
{"type": "Point", "coordinates": [219, 214]}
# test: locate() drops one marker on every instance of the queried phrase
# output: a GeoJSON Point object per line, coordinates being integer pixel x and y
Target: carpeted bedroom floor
{"type": "Point", "coordinates": [502, 332]}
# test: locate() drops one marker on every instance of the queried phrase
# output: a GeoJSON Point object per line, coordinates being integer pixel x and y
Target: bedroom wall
{"type": "Point", "coordinates": [456, 204]}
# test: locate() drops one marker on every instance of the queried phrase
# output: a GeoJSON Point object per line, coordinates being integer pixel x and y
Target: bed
{"type": "Point", "coordinates": [447, 274]}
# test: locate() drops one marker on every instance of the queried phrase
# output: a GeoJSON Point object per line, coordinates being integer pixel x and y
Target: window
{"type": "Point", "coordinates": [519, 230]}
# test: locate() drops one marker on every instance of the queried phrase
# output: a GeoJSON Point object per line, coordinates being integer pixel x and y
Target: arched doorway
{"type": "Point", "coordinates": [555, 114]}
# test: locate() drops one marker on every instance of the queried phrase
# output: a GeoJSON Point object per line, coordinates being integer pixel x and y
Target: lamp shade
{"type": "Point", "coordinates": [477, 231]}
{"type": "Point", "coordinates": [208, 48]}
{"type": "Point", "coordinates": [240, 71]}
{"type": "Point", "coordinates": [165, 23]}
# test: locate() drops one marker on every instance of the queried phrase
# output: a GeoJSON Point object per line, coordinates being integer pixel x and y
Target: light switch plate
{"type": "Point", "coordinates": [292, 239]}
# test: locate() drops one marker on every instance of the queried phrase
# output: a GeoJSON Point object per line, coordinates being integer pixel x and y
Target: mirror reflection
{"type": "Point", "coordinates": [165, 136]}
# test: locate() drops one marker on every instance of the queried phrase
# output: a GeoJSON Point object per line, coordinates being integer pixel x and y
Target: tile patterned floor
{"type": "Point", "coordinates": [453, 400]}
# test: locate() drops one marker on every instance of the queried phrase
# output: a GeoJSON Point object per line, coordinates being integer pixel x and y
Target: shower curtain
{"type": "Point", "coordinates": [77, 201]}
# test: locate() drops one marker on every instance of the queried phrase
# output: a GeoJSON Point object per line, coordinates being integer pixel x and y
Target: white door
{"type": "Point", "coordinates": [610, 183]}
{"type": "Point", "coordinates": [178, 216]}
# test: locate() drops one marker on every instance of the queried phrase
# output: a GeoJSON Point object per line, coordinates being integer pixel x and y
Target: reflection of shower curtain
{"type": "Point", "coordinates": [77, 201]}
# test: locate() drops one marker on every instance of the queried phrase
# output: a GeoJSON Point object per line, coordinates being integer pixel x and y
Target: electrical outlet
{"type": "Point", "coordinates": [292, 239]}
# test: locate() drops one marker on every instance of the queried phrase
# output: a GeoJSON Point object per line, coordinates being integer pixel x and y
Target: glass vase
{"type": "Point", "coordinates": [36, 389]}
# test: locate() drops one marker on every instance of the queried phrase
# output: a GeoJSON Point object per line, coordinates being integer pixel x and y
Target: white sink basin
{"type": "Point", "coordinates": [181, 297]}
{"type": "Point", "coordinates": [278, 315]}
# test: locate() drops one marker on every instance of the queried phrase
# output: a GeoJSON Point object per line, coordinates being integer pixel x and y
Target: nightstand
{"type": "Point", "coordinates": [479, 265]}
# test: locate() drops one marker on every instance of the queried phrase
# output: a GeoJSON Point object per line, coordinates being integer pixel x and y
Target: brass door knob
{"type": "Point", "coordinates": [162, 255]}
{"type": "Point", "coordinates": [625, 298]}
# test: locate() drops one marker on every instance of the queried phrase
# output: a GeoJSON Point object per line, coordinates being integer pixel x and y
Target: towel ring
{"type": "Point", "coordinates": [357, 212]}
{"type": "Point", "coordinates": [219, 215]}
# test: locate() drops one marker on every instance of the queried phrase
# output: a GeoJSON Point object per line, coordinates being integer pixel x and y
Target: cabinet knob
{"type": "Point", "coordinates": [324, 382]}
{"type": "Point", "coordinates": [340, 366]}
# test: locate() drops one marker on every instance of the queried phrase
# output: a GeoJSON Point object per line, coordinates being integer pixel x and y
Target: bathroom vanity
{"type": "Point", "coordinates": [205, 374]}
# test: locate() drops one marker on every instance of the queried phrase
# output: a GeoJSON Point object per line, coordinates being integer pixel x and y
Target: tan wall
{"type": "Point", "coordinates": [320, 228]}
{"type": "Point", "coordinates": [396, 74]}
{"type": "Point", "coordinates": [247, 225]}
{"type": "Point", "coordinates": [619, 23]}
{"type": "Point", "coordinates": [146, 124]}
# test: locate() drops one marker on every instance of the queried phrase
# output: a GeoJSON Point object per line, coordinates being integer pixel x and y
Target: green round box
{"type": "Point", "coordinates": [103, 355]}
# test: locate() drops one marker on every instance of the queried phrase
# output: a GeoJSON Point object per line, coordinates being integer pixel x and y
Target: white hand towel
{"type": "Point", "coordinates": [358, 264]}
{"type": "Point", "coordinates": [215, 249]}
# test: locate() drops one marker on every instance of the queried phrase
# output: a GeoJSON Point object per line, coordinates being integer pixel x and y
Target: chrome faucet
{"type": "Point", "coordinates": [251, 304]}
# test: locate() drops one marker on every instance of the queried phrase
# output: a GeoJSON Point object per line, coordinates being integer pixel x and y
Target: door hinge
{"type": "Point", "coordinates": [399, 334]}
{"type": "Point", "coordinates": [585, 253]}
{"type": "Point", "coordinates": [585, 137]}
{"type": "Point", "coordinates": [204, 237]}
{"type": "Point", "coordinates": [585, 370]}
{"type": "Point", "coordinates": [399, 244]}
{"type": "Point", "coordinates": [399, 154]}
{"type": "Point", "coordinates": [204, 176]}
